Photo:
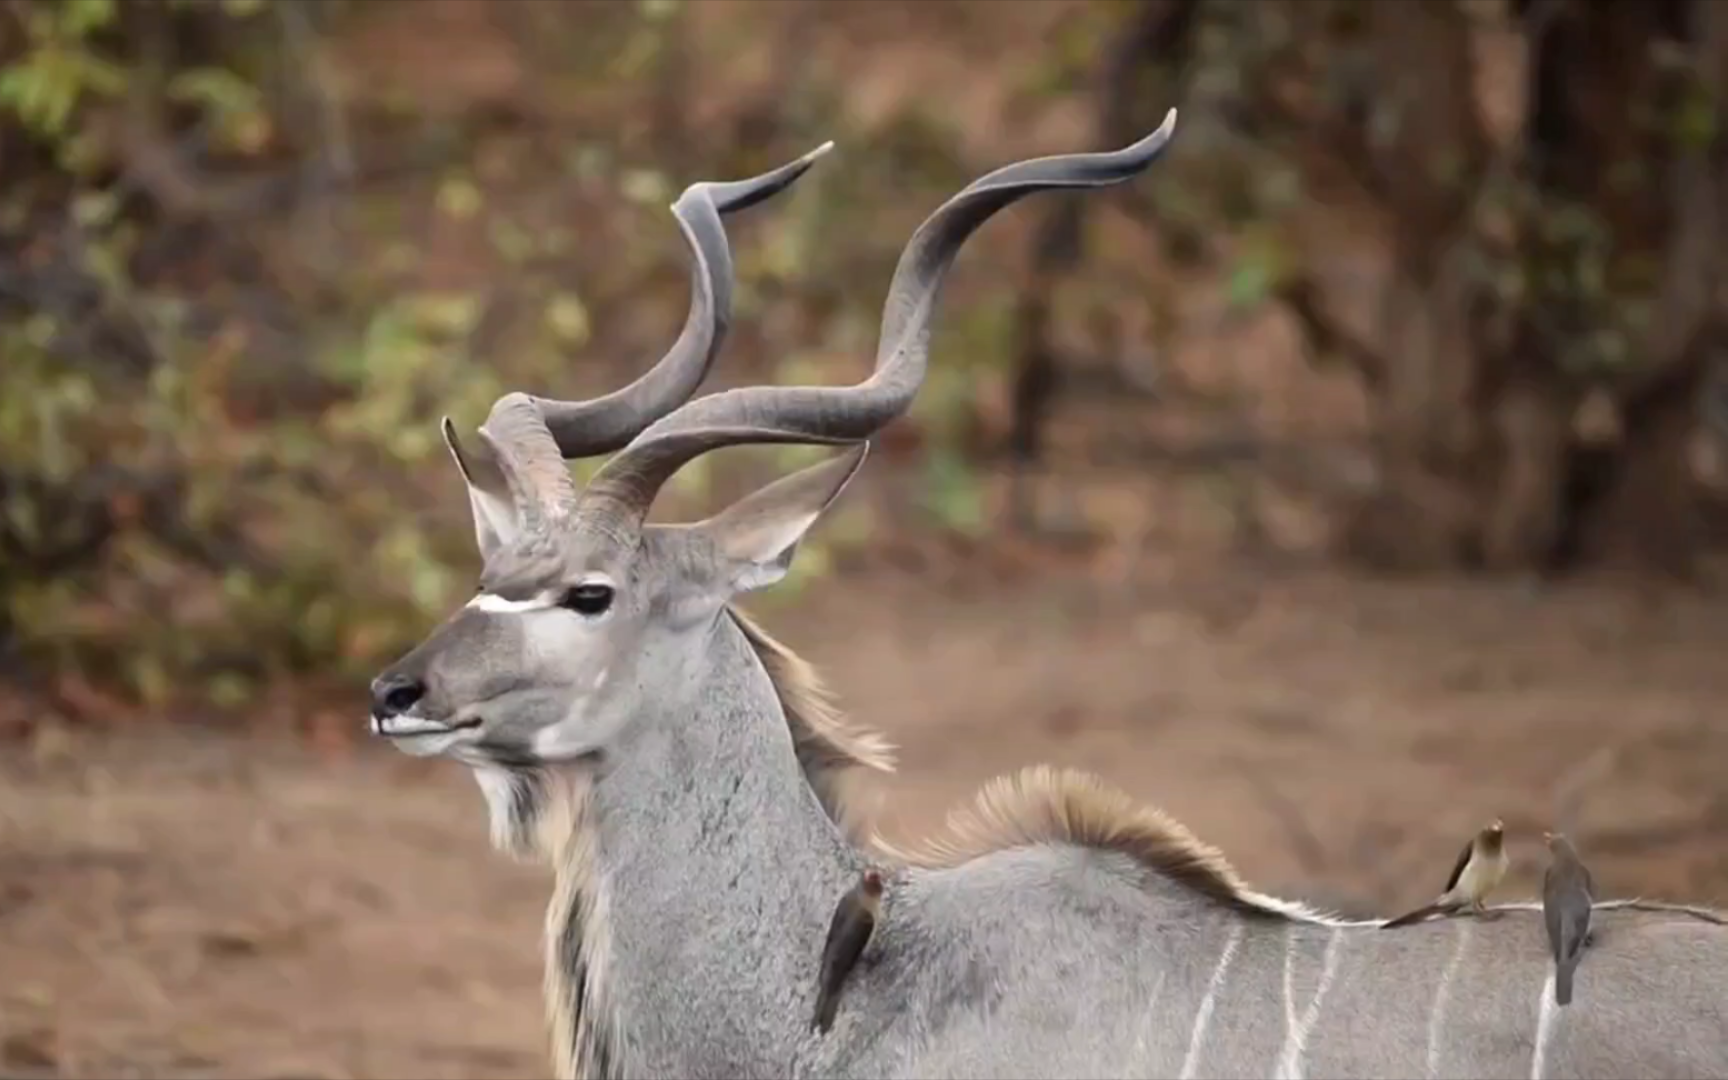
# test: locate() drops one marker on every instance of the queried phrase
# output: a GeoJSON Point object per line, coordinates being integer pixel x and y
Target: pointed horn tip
{"type": "Point", "coordinates": [802, 165]}
{"type": "Point", "coordinates": [1160, 137]}
{"type": "Point", "coordinates": [1144, 150]}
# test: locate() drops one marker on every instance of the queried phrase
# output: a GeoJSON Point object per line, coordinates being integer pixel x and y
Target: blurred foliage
{"type": "Point", "coordinates": [1273, 87]}
{"type": "Point", "coordinates": [232, 316]}
{"type": "Point", "coordinates": [252, 250]}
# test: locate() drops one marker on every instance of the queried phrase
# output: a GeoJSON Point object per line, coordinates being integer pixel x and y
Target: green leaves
{"type": "Point", "coordinates": [459, 197]}
{"type": "Point", "coordinates": [645, 187]}
{"type": "Point", "coordinates": [1261, 266]}
{"type": "Point", "coordinates": [1695, 122]}
{"type": "Point", "coordinates": [235, 104]}
{"type": "Point", "coordinates": [80, 17]}
{"type": "Point", "coordinates": [44, 87]}
{"type": "Point", "coordinates": [47, 85]}
{"type": "Point", "coordinates": [952, 494]}
{"type": "Point", "coordinates": [567, 319]}
{"type": "Point", "coordinates": [408, 356]}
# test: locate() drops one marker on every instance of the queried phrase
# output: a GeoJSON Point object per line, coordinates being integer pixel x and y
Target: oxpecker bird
{"type": "Point", "coordinates": [1568, 896]}
{"type": "Point", "coordinates": [1480, 867]}
{"type": "Point", "coordinates": [855, 918]}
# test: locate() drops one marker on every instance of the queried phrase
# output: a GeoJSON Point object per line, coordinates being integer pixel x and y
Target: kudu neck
{"type": "Point", "coordinates": [714, 872]}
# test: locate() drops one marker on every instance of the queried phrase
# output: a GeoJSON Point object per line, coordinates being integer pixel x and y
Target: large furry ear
{"type": "Point", "coordinates": [495, 521]}
{"type": "Point", "coordinates": [758, 535]}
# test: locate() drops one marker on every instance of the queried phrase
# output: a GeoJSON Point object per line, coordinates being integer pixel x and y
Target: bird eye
{"type": "Point", "coordinates": [590, 599]}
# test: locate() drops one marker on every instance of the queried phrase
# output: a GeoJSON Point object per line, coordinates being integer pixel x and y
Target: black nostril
{"type": "Point", "coordinates": [393, 695]}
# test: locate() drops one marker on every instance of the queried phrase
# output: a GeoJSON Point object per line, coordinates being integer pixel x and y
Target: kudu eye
{"type": "Point", "coordinates": [590, 599]}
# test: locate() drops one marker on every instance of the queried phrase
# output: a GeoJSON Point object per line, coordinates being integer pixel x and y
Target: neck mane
{"type": "Point", "coordinates": [831, 748]}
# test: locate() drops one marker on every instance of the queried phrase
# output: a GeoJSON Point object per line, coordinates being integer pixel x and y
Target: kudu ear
{"type": "Point", "coordinates": [494, 513]}
{"type": "Point", "coordinates": [758, 534]}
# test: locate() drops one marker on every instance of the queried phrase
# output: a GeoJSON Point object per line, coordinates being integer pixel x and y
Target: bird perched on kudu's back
{"type": "Point", "coordinates": [1480, 867]}
{"type": "Point", "coordinates": [855, 918]}
{"type": "Point", "coordinates": [1568, 897]}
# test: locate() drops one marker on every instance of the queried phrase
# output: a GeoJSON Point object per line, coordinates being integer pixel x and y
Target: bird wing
{"type": "Point", "coordinates": [1574, 923]}
{"type": "Point", "coordinates": [837, 930]}
{"type": "Point", "coordinates": [1458, 870]}
{"type": "Point", "coordinates": [1553, 911]}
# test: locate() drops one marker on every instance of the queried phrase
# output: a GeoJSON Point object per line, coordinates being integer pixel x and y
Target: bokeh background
{"type": "Point", "coordinates": [1354, 477]}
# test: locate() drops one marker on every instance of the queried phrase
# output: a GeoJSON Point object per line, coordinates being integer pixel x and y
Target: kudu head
{"type": "Point", "coordinates": [583, 610]}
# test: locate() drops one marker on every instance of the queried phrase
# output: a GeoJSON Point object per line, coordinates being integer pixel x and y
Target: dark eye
{"type": "Point", "coordinates": [590, 599]}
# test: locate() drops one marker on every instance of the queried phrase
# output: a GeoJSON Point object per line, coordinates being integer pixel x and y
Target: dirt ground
{"type": "Point", "coordinates": [206, 905]}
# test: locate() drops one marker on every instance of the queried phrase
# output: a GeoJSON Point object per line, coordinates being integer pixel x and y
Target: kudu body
{"type": "Point", "coordinates": [678, 769]}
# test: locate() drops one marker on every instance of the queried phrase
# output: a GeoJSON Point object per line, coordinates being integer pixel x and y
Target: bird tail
{"type": "Point", "coordinates": [1417, 916]}
{"type": "Point", "coordinates": [1563, 981]}
{"type": "Point", "coordinates": [825, 1008]}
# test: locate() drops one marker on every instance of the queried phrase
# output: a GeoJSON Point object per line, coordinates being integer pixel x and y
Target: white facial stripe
{"type": "Point", "coordinates": [498, 605]}
{"type": "Point", "coordinates": [544, 600]}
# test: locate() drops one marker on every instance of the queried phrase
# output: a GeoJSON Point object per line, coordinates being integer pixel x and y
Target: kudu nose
{"type": "Point", "coordinates": [394, 694]}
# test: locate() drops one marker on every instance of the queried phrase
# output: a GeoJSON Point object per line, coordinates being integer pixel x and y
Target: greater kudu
{"type": "Point", "coordinates": [676, 767]}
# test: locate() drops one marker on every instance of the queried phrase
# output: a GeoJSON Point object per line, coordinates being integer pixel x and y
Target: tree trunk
{"type": "Point", "coordinates": [1422, 149]}
{"type": "Point", "coordinates": [1647, 512]}
{"type": "Point", "coordinates": [1156, 35]}
{"type": "Point", "coordinates": [1482, 463]}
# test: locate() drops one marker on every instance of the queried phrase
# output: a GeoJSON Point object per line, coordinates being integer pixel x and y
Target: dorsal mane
{"type": "Point", "coordinates": [1046, 805]}
{"type": "Point", "coordinates": [1038, 805]}
{"type": "Point", "coordinates": [828, 743]}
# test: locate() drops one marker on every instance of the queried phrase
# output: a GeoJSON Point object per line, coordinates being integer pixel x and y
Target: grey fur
{"type": "Point", "coordinates": [646, 752]}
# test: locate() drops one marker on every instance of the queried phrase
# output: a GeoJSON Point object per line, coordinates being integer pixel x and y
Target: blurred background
{"type": "Point", "coordinates": [1355, 476]}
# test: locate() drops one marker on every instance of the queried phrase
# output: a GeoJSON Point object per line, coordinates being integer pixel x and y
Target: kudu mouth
{"type": "Point", "coordinates": [407, 725]}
